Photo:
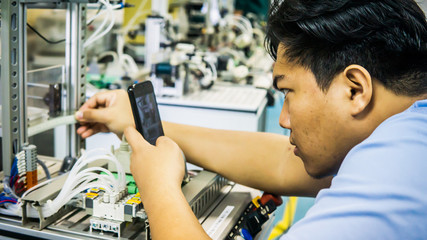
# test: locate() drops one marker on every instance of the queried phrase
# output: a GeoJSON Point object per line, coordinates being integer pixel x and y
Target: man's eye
{"type": "Point", "coordinates": [284, 91]}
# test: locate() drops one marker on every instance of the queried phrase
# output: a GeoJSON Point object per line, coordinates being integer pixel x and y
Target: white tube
{"type": "Point", "coordinates": [79, 180]}
{"type": "Point", "coordinates": [104, 22]}
{"type": "Point", "coordinates": [96, 35]}
{"type": "Point", "coordinates": [38, 186]}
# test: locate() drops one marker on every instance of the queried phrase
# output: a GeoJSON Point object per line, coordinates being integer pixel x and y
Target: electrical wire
{"type": "Point", "coordinates": [79, 179]}
{"type": "Point", "coordinates": [90, 21]}
{"type": "Point", "coordinates": [39, 186]}
{"type": "Point", "coordinates": [98, 34]}
{"type": "Point", "coordinates": [126, 61]}
{"type": "Point", "coordinates": [46, 171]}
{"type": "Point", "coordinates": [7, 201]}
{"type": "Point", "coordinates": [97, 12]}
{"type": "Point", "coordinates": [42, 37]}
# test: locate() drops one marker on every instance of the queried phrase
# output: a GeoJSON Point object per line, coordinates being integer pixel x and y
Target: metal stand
{"type": "Point", "coordinates": [14, 71]}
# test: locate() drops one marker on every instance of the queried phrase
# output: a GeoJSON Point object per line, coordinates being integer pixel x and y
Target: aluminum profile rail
{"type": "Point", "coordinates": [13, 68]}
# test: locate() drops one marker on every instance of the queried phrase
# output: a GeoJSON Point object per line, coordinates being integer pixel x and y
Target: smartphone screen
{"type": "Point", "coordinates": [145, 111]}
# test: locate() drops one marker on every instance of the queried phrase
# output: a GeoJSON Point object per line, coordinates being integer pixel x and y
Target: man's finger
{"type": "Point", "coordinates": [92, 115]}
{"type": "Point", "coordinates": [100, 99]}
{"type": "Point", "coordinates": [89, 132]}
{"type": "Point", "coordinates": [135, 139]}
{"type": "Point", "coordinates": [82, 129]}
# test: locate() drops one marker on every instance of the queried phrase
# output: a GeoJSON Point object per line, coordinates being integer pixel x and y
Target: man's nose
{"type": "Point", "coordinates": [285, 120]}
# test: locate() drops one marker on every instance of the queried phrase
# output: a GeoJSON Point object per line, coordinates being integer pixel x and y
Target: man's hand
{"type": "Point", "coordinates": [108, 111]}
{"type": "Point", "coordinates": [155, 168]}
{"type": "Point", "coordinates": [158, 172]}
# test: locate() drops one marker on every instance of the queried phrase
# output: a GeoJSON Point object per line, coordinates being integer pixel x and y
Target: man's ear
{"type": "Point", "coordinates": [359, 85]}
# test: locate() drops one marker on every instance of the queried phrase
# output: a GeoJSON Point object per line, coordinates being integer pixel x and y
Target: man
{"type": "Point", "coordinates": [354, 75]}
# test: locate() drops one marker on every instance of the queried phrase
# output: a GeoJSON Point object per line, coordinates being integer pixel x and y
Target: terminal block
{"type": "Point", "coordinates": [31, 165]}
{"type": "Point", "coordinates": [106, 225]}
{"type": "Point", "coordinates": [120, 207]}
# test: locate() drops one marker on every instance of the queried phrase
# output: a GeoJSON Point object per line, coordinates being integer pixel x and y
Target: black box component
{"type": "Point", "coordinates": [128, 209]}
{"type": "Point", "coordinates": [89, 202]}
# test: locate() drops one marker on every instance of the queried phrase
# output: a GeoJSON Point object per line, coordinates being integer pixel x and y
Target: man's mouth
{"type": "Point", "coordinates": [296, 152]}
{"type": "Point", "coordinates": [291, 140]}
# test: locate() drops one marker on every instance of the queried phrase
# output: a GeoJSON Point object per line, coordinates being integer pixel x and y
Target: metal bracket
{"type": "Point", "coordinates": [44, 222]}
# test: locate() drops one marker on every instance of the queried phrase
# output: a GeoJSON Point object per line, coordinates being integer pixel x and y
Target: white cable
{"type": "Point", "coordinates": [108, 29]}
{"type": "Point", "coordinates": [7, 189]}
{"type": "Point", "coordinates": [51, 207]}
{"type": "Point", "coordinates": [101, 13]}
{"type": "Point", "coordinates": [84, 179]}
{"type": "Point", "coordinates": [245, 21]}
{"type": "Point", "coordinates": [11, 209]}
{"type": "Point", "coordinates": [79, 180]}
{"type": "Point", "coordinates": [96, 35]}
{"type": "Point", "coordinates": [237, 55]}
{"type": "Point", "coordinates": [109, 53]}
{"type": "Point", "coordinates": [213, 69]}
{"type": "Point", "coordinates": [73, 173]}
{"type": "Point", "coordinates": [126, 61]}
{"type": "Point", "coordinates": [38, 186]}
{"type": "Point", "coordinates": [104, 22]}
{"type": "Point", "coordinates": [130, 62]}
{"type": "Point", "coordinates": [235, 21]}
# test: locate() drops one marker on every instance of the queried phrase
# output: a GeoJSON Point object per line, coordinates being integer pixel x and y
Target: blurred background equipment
{"type": "Point", "coordinates": [208, 66]}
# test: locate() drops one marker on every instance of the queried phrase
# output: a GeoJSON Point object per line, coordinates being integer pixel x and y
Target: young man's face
{"type": "Point", "coordinates": [318, 123]}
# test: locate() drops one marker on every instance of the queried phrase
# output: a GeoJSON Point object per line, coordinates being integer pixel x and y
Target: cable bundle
{"type": "Point", "coordinates": [79, 179]}
{"type": "Point", "coordinates": [110, 11]}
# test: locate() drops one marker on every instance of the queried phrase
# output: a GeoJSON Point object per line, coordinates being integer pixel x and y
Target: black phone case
{"type": "Point", "coordinates": [132, 99]}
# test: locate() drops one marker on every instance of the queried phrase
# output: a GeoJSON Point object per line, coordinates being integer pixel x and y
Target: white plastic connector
{"type": "Point", "coordinates": [106, 198]}
{"type": "Point", "coordinates": [122, 154]}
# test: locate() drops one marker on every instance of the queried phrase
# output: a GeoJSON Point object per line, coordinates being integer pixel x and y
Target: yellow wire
{"type": "Point", "coordinates": [288, 218]}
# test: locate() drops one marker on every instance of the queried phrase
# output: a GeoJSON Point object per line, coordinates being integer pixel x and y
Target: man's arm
{"type": "Point", "coordinates": [260, 160]}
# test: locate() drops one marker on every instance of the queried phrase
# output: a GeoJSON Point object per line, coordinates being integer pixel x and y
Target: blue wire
{"type": "Point", "coordinates": [7, 198]}
{"type": "Point", "coordinates": [245, 234]}
{"type": "Point", "coordinates": [14, 169]}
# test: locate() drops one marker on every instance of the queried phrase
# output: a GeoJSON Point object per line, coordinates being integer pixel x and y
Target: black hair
{"type": "Point", "coordinates": [386, 37]}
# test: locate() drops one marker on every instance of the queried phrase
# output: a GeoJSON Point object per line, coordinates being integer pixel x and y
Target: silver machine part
{"type": "Point", "coordinates": [207, 193]}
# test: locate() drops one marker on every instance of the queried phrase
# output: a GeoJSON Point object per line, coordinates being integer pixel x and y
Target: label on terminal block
{"type": "Point", "coordinates": [219, 220]}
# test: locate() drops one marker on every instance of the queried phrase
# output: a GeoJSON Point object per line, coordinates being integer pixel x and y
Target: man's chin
{"type": "Point", "coordinates": [319, 173]}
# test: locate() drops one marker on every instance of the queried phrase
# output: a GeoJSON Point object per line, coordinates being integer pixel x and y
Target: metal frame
{"type": "Point", "coordinates": [13, 77]}
{"type": "Point", "coordinates": [14, 68]}
{"type": "Point", "coordinates": [75, 68]}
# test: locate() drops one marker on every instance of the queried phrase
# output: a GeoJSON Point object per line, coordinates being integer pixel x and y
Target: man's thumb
{"type": "Point", "coordinates": [133, 137]}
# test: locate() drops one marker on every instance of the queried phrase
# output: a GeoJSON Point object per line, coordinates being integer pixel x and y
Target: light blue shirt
{"type": "Point", "coordinates": [380, 191]}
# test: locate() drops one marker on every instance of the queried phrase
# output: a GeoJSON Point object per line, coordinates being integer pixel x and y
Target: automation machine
{"type": "Point", "coordinates": [89, 194]}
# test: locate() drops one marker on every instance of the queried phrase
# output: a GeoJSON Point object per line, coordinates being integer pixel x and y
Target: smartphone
{"type": "Point", "coordinates": [145, 111]}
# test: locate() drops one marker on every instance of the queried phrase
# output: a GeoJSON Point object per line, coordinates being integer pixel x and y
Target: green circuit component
{"type": "Point", "coordinates": [130, 183]}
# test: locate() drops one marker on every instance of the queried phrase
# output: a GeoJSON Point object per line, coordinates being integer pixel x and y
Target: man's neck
{"type": "Point", "coordinates": [389, 104]}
